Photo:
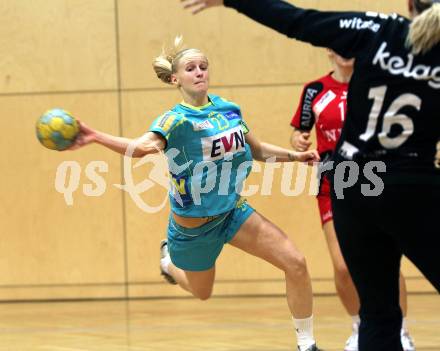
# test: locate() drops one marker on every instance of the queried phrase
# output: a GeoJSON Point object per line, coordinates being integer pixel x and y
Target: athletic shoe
{"type": "Point", "coordinates": [407, 341]}
{"type": "Point", "coordinates": [352, 342]}
{"type": "Point", "coordinates": [164, 253]}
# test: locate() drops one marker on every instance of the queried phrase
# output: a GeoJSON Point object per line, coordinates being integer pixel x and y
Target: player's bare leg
{"type": "Point", "coordinates": [263, 239]}
{"type": "Point", "coordinates": [199, 284]}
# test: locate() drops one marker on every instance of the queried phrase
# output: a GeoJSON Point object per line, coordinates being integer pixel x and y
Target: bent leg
{"type": "Point", "coordinates": [261, 238]}
{"type": "Point", "coordinates": [192, 253]}
{"type": "Point", "coordinates": [199, 284]}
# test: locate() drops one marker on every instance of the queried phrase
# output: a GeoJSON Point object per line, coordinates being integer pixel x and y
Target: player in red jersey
{"type": "Point", "coordinates": [323, 105]}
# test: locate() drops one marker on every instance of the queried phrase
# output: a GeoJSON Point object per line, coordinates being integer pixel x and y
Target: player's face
{"type": "Point", "coordinates": [192, 73]}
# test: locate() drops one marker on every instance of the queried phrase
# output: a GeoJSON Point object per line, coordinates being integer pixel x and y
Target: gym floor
{"type": "Point", "coordinates": [219, 324]}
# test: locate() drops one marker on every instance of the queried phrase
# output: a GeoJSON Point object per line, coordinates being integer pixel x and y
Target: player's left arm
{"type": "Point", "coordinates": [263, 151]}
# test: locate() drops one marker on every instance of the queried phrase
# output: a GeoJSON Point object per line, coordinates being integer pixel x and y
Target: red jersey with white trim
{"type": "Point", "coordinates": [323, 104]}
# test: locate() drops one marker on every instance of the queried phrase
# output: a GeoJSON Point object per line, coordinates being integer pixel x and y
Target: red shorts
{"type": "Point", "coordinates": [325, 202]}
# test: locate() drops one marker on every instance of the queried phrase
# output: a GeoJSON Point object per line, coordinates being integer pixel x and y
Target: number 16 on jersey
{"type": "Point", "coordinates": [391, 117]}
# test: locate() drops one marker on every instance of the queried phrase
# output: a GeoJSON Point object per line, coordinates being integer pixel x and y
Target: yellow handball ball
{"type": "Point", "coordinates": [57, 129]}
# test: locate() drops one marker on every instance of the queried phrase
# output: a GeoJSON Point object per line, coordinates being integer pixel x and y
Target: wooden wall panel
{"type": "Point", "coordinates": [104, 246]}
{"type": "Point", "coordinates": [241, 51]}
{"type": "Point", "coordinates": [57, 45]}
{"type": "Point", "coordinates": [234, 45]}
{"type": "Point", "coordinates": [145, 230]}
{"type": "Point", "coordinates": [45, 242]}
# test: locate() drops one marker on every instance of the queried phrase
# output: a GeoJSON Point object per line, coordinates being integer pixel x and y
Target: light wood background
{"type": "Point", "coordinates": [93, 58]}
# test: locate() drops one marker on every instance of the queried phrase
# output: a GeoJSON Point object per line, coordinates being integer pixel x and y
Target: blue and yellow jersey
{"type": "Point", "coordinates": [208, 156]}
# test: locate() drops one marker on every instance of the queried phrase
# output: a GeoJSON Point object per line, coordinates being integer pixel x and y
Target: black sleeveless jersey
{"type": "Point", "coordinates": [394, 96]}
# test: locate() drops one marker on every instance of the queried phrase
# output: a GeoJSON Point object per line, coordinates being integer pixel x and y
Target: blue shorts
{"type": "Point", "coordinates": [197, 249]}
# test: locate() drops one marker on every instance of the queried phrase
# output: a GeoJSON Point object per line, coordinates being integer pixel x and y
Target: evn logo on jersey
{"type": "Point", "coordinates": [216, 146]}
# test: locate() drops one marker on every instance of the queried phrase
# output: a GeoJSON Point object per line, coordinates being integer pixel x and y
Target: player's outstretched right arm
{"type": "Point", "coordinates": [149, 143]}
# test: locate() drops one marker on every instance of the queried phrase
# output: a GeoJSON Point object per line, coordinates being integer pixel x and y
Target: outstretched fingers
{"type": "Point", "coordinates": [196, 6]}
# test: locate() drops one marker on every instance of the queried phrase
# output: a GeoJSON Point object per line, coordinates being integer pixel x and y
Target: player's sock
{"type": "Point", "coordinates": [304, 332]}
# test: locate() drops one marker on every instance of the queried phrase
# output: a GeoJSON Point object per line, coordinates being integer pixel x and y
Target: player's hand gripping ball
{"type": "Point", "coordinates": [57, 129]}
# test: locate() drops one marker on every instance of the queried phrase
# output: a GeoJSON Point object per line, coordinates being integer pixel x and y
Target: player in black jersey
{"type": "Point", "coordinates": [392, 128]}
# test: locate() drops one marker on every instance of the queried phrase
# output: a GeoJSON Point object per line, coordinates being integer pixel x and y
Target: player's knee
{"type": "Point", "coordinates": [202, 294]}
{"type": "Point", "coordinates": [296, 264]}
